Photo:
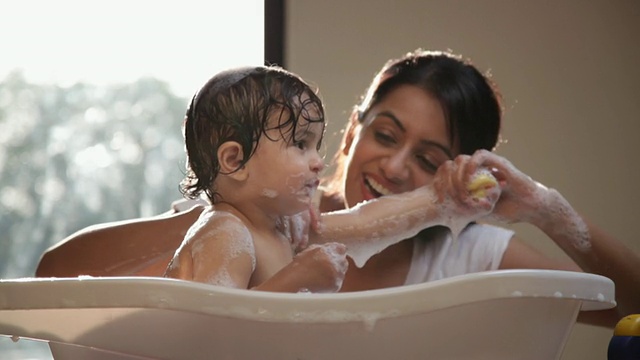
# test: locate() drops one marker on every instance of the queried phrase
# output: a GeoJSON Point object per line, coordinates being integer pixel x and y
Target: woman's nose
{"type": "Point", "coordinates": [395, 167]}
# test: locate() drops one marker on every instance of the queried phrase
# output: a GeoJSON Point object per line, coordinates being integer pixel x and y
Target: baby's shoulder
{"type": "Point", "coordinates": [214, 223]}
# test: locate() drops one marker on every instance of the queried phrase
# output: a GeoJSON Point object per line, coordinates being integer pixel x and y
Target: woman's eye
{"type": "Point", "coordinates": [427, 164]}
{"type": "Point", "coordinates": [384, 138]}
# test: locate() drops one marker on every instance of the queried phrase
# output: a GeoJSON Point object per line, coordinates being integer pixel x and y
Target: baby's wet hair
{"type": "Point", "coordinates": [236, 105]}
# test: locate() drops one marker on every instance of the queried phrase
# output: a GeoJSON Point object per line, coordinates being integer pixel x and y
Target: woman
{"type": "Point", "coordinates": [425, 113]}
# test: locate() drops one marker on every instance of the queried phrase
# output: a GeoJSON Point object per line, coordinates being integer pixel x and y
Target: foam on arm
{"type": "Point", "coordinates": [370, 227]}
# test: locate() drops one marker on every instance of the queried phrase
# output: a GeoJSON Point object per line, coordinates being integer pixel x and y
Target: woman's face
{"type": "Point", "coordinates": [398, 147]}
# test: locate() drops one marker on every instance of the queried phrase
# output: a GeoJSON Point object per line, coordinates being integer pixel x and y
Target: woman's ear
{"type": "Point", "coordinates": [230, 156]}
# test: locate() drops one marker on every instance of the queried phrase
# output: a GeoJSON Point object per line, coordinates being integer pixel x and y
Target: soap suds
{"type": "Point", "coordinates": [228, 229]}
{"type": "Point", "coordinates": [364, 240]}
{"type": "Point", "coordinates": [270, 193]}
{"type": "Point", "coordinates": [575, 227]}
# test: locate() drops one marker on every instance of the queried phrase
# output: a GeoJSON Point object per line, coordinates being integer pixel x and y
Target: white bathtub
{"type": "Point", "coordinates": [515, 314]}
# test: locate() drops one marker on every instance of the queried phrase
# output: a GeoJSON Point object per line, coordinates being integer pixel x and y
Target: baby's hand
{"type": "Point", "coordinates": [296, 227]}
{"type": "Point", "coordinates": [323, 267]}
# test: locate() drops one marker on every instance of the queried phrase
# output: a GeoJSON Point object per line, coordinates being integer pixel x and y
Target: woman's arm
{"type": "Point", "coordinates": [596, 252]}
{"type": "Point", "coordinates": [317, 269]}
{"type": "Point", "coordinates": [124, 248]}
{"type": "Point", "coordinates": [590, 248]}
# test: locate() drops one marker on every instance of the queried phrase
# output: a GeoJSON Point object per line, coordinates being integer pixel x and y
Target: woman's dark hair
{"type": "Point", "coordinates": [236, 105]}
{"type": "Point", "coordinates": [469, 99]}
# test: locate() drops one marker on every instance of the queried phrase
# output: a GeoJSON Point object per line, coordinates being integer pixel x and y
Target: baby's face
{"type": "Point", "coordinates": [286, 170]}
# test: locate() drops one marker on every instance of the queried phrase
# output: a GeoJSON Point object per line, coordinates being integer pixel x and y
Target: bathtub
{"type": "Point", "coordinates": [508, 314]}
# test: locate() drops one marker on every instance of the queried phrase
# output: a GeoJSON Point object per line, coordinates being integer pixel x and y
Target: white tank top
{"type": "Point", "coordinates": [478, 248]}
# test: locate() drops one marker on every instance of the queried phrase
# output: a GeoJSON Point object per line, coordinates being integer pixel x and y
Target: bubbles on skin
{"type": "Point", "coordinates": [298, 231]}
{"type": "Point", "coordinates": [555, 206]}
{"type": "Point", "coordinates": [377, 235]}
{"type": "Point", "coordinates": [222, 278]}
{"type": "Point", "coordinates": [575, 228]}
{"type": "Point", "coordinates": [370, 242]}
{"type": "Point", "coordinates": [337, 260]}
{"type": "Point", "coordinates": [269, 193]}
{"type": "Point", "coordinates": [299, 187]}
{"type": "Point", "coordinates": [242, 244]}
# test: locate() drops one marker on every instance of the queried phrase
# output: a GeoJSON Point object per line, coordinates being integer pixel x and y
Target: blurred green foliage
{"type": "Point", "coordinates": [80, 155]}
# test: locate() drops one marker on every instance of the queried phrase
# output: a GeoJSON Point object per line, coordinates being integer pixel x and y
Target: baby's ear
{"type": "Point", "coordinates": [230, 157]}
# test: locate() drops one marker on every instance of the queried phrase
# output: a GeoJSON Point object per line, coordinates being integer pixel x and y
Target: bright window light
{"type": "Point", "coordinates": [87, 132]}
{"type": "Point", "coordinates": [103, 42]}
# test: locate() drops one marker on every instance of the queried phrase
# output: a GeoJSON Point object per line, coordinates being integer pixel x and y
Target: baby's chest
{"type": "Point", "coordinates": [272, 254]}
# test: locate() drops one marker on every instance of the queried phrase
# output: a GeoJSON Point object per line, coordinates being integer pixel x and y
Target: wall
{"type": "Point", "coordinates": [568, 71]}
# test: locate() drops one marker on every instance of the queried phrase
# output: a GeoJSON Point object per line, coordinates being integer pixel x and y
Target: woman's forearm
{"type": "Point", "coordinates": [594, 251]}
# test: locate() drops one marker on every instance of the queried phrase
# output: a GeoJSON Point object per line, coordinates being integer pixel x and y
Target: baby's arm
{"type": "Point", "coordinates": [371, 226]}
{"type": "Point", "coordinates": [317, 269]}
{"type": "Point", "coordinates": [218, 249]}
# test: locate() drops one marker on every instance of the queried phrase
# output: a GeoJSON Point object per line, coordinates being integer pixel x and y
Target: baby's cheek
{"type": "Point", "coordinates": [294, 182]}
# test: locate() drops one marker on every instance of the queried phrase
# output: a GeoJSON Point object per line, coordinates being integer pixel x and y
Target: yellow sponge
{"type": "Point", "coordinates": [482, 182]}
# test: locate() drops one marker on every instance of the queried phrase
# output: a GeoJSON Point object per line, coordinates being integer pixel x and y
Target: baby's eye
{"type": "Point", "coordinates": [301, 144]}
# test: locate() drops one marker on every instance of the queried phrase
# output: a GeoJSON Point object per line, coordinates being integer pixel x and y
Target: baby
{"type": "Point", "coordinates": [252, 138]}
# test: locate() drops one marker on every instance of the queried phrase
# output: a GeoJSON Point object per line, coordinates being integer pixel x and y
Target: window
{"type": "Point", "coordinates": [92, 98]}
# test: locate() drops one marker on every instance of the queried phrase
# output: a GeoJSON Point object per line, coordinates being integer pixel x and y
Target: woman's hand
{"type": "Point", "coordinates": [522, 199]}
{"type": "Point", "coordinates": [451, 185]}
